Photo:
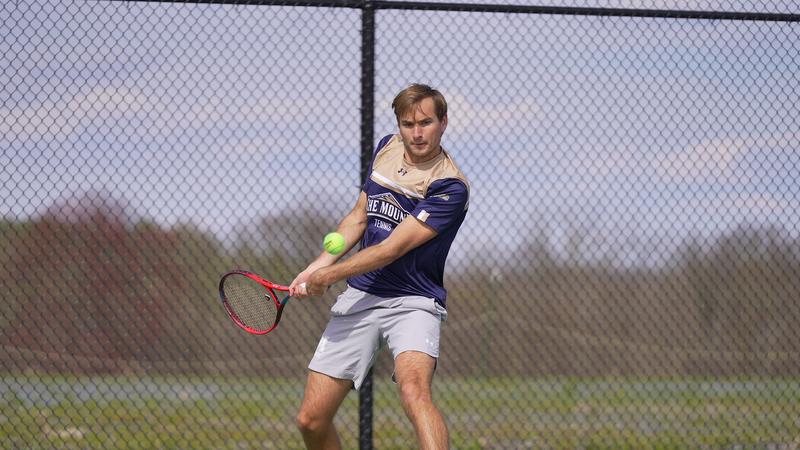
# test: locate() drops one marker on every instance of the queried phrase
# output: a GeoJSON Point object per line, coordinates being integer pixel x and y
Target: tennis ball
{"type": "Point", "coordinates": [333, 243]}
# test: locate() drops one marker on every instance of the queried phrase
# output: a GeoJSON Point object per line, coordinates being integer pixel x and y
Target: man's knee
{"type": "Point", "coordinates": [309, 423]}
{"type": "Point", "coordinates": [414, 391]}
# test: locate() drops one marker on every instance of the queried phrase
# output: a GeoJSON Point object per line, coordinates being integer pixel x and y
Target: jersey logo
{"type": "Point", "coordinates": [384, 206]}
{"type": "Point", "coordinates": [402, 171]}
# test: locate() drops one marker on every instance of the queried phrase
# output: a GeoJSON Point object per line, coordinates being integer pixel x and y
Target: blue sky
{"type": "Point", "coordinates": [629, 133]}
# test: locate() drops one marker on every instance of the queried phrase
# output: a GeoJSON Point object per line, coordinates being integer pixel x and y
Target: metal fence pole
{"type": "Point", "coordinates": [367, 132]}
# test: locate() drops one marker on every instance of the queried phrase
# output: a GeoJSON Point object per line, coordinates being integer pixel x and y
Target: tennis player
{"type": "Point", "coordinates": [406, 217]}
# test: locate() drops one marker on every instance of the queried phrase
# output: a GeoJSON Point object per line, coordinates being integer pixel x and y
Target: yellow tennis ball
{"type": "Point", "coordinates": [333, 243]}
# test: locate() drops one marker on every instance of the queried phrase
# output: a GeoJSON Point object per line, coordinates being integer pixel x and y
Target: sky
{"type": "Point", "coordinates": [631, 134]}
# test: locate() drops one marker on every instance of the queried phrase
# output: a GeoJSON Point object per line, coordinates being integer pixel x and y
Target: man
{"type": "Point", "coordinates": [408, 213]}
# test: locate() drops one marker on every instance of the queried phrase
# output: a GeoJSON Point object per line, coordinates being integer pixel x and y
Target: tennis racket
{"type": "Point", "coordinates": [251, 301]}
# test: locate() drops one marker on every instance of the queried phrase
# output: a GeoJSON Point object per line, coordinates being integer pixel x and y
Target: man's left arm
{"type": "Point", "coordinates": [408, 235]}
{"type": "Point", "coordinates": [446, 202]}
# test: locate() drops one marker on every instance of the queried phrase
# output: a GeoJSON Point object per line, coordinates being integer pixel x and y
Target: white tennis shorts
{"type": "Point", "coordinates": [361, 324]}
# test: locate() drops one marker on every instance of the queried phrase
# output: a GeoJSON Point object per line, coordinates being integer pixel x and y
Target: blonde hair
{"type": "Point", "coordinates": [411, 96]}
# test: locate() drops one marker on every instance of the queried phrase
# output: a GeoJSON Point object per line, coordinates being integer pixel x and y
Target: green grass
{"type": "Point", "coordinates": [577, 413]}
{"type": "Point", "coordinates": [487, 413]}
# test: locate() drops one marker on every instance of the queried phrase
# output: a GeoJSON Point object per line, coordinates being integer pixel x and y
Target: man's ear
{"type": "Point", "coordinates": [444, 123]}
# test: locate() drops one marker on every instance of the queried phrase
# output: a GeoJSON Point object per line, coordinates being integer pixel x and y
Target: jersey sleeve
{"type": "Point", "coordinates": [445, 204]}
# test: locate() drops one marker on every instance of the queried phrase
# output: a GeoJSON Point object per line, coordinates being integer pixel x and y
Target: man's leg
{"type": "Point", "coordinates": [414, 374]}
{"type": "Point", "coordinates": [322, 398]}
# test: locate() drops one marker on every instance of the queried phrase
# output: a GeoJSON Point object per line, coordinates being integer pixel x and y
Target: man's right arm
{"type": "Point", "coordinates": [352, 227]}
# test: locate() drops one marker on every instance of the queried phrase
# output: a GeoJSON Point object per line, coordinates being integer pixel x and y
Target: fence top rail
{"type": "Point", "coordinates": [507, 9]}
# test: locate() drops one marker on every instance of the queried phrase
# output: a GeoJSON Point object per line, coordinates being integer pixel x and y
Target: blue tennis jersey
{"type": "Point", "coordinates": [436, 192]}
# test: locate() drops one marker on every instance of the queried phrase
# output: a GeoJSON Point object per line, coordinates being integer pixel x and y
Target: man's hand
{"type": "Point", "coordinates": [298, 288]}
{"type": "Point", "coordinates": [317, 283]}
{"type": "Point", "coordinates": [309, 283]}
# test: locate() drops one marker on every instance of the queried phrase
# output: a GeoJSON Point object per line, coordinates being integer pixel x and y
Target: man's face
{"type": "Point", "coordinates": [422, 132]}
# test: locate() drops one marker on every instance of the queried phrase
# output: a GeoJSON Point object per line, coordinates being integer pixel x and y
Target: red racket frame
{"type": "Point", "coordinates": [270, 287]}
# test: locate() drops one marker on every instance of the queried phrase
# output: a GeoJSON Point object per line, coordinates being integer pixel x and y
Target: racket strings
{"type": "Point", "coordinates": [251, 302]}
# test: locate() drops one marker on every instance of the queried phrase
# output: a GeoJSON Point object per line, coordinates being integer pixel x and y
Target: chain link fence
{"type": "Point", "coordinates": [627, 276]}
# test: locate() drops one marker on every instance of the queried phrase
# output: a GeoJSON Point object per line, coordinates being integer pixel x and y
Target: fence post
{"type": "Point", "coordinates": [367, 132]}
